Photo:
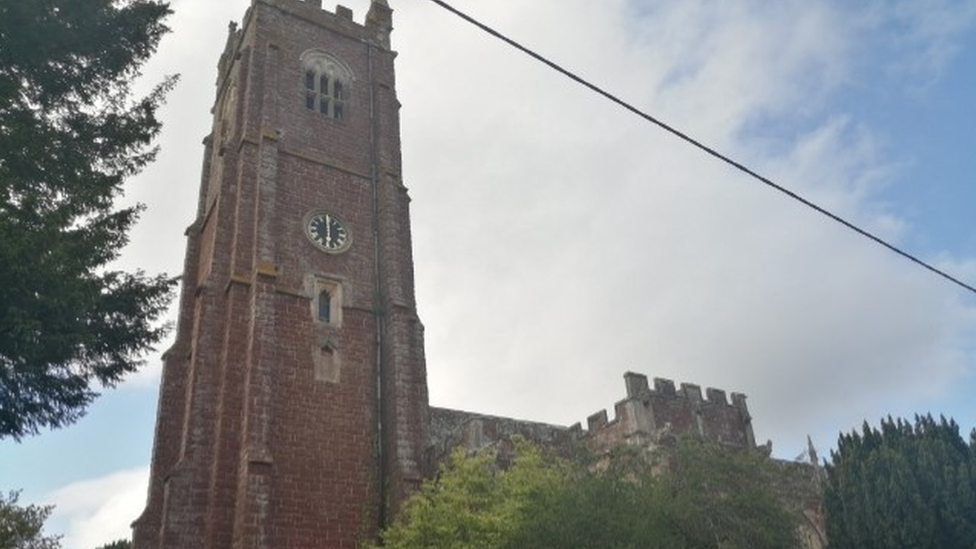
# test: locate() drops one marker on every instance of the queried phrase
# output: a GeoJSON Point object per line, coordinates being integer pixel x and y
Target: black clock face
{"type": "Point", "coordinates": [327, 231]}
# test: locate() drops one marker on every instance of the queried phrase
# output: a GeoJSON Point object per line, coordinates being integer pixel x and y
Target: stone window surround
{"type": "Point", "coordinates": [320, 67]}
{"type": "Point", "coordinates": [333, 289]}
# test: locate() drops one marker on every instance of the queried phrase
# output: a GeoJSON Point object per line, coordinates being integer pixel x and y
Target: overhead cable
{"type": "Point", "coordinates": [685, 137]}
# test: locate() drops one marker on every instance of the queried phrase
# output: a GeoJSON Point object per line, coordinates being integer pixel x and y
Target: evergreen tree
{"type": "Point", "coordinates": [70, 135]}
{"type": "Point", "coordinates": [119, 544]}
{"type": "Point", "coordinates": [904, 485]}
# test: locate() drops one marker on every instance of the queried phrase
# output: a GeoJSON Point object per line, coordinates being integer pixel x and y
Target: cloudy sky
{"type": "Point", "coordinates": [560, 241]}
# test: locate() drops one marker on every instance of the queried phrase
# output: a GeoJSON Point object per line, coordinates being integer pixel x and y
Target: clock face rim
{"type": "Point", "coordinates": [310, 235]}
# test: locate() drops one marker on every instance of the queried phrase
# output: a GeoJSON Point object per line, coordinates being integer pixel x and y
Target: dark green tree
{"type": "Point", "coordinates": [21, 527]}
{"type": "Point", "coordinates": [615, 508]}
{"type": "Point", "coordinates": [905, 485]}
{"type": "Point", "coordinates": [70, 134]}
{"type": "Point", "coordinates": [119, 544]}
{"type": "Point", "coordinates": [689, 494]}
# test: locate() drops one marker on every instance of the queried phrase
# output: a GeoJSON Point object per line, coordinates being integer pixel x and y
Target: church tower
{"type": "Point", "coordinates": [293, 407]}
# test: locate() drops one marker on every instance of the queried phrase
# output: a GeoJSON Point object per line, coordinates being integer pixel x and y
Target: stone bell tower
{"type": "Point", "coordinates": [293, 406]}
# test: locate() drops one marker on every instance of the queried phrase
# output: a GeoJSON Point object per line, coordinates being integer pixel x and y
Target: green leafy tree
{"type": "Point", "coordinates": [70, 134]}
{"type": "Point", "coordinates": [701, 497]}
{"type": "Point", "coordinates": [21, 527]}
{"type": "Point", "coordinates": [905, 485]}
{"type": "Point", "coordinates": [473, 503]}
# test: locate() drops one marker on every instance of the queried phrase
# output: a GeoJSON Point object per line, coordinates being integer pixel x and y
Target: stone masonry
{"type": "Point", "coordinates": [277, 427]}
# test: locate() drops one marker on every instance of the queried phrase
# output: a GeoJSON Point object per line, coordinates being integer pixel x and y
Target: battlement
{"type": "Point", "coordinates": [644, 415]}
{"type": "Point", "coordinates": [375, 29]}
{"type": "Point", "coordinates": [637, 387]}
{"type": "Point", "coordinates": [378, 21]}
{"type": "Point", "coordinates": [665, 408]}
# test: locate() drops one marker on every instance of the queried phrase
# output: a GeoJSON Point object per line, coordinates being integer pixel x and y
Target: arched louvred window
{"type": "Point", "coordinates": [326, 83]}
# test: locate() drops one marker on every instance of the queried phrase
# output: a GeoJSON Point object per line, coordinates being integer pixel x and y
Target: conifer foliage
{"type": "Point", "coordinates": [905, 485]}
{"type": "Point", "coordinates": [119, 544]}
{"type": "Point", "coordinates": [70, 134]}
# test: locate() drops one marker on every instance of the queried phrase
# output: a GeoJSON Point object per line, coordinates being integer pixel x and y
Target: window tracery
{"type": "Point", "coordinates": [326, 82]}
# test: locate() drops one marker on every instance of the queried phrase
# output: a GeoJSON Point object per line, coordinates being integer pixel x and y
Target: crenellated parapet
{"type": "Point", "coordinates": [643, 416]}
{"type": "Point", "coordinates": [648, 411]}
{"type": "Point", "coordinates": [378, 22]}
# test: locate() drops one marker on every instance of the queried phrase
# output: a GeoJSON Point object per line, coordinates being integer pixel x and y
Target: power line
{"type": "Point", "coordinates": [685, 137]}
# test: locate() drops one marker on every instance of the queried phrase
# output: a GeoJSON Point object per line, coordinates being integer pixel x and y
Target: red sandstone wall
{"type": "Point", "coordinates": [252, 448]}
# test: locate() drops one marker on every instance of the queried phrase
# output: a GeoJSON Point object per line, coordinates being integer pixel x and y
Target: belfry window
{"type": "Point", "coordinates": [326, 82]}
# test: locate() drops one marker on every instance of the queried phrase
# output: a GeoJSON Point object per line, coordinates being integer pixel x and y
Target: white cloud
{"type": "Point", "coordinates": [169, 185]}
{"type": "Point", "coordinates": [93, 512]}
{"type": "Point", "coordinates": [560, 241]}
{"type": "Point", "coordinates": [928, 34]}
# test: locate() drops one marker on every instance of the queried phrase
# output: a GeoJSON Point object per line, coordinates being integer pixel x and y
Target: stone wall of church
{"type": "Point", "coordinates": [645, 412]}
{"type": "Point", "coordinates": [643, 418]}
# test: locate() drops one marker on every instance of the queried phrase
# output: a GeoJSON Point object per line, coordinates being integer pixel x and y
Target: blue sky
{"type": "Point", "coordinates": [684, 270]}
{"type": "Point", "coordinates": [930, 124]}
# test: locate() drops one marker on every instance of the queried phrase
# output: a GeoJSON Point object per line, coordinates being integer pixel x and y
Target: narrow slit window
{"type": "Point", "coordinates": [310, 80]}
{"type": "Point", "coordinates": [325, 306]}
{"type": "Point", "coordinates": [325, 303]}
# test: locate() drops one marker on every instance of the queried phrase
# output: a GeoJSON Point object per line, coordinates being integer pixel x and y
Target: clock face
{"type": "Point", "coordinates": [327, 231]}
